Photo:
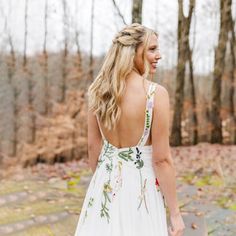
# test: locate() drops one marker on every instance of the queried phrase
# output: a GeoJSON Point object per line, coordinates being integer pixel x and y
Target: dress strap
{"type": "Point", "coordinates": [148, 114]}
{"type": "Point", "coordinates": [103, 137]}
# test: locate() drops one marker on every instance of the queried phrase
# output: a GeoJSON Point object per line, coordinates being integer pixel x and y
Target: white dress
{"type": "Point", "coordinates": [123, 197]}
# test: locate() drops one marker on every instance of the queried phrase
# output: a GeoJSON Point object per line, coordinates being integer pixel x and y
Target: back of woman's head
{"type": "Point", "coordinates": [106, 91]}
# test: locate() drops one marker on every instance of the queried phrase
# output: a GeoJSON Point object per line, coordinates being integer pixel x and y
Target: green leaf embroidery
{"type": "Point", "coordinates": [109, 167]}
{"type": "Point", "coordinates": [142, 196]}
{"type": "Point", "coordinates": [126, 155]}
{"type": "Point", "coordinates": [139, 163]}
{"type": "Point", "coordinates": [148, 119]}
{"type": "Point", "coordinates": [90, 204]}
{"type": "Point", "coordinates": [107, 189]}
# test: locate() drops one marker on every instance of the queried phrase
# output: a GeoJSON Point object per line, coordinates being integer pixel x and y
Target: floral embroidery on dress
{"type": "Point", "coordinates": [126, 154]}
{"type": "Point", "coordinates": [100, 161]}
{"type": "Point", "coordinates": [112, 185]}
{"type": "Point", "coordinates": [107, 188]}
{"type": "Point", "coordinates": [140, 165]}
{"type": "Point", "coordinates": [118, 180]}
{"type": "Point", "coordinates": [90, 204]}
{"type": "Point", "coordinates": [157, 184]}
{"type": "Point", "coordinates": [138, 161]}
{"type": "Point", "coordinates": [148, 112]}
{"type": "Point", "coordinates": [159, 190]}
{"type": "Point", "coordinates": [148, 120]}
{"type": "Point", "coordinates": [142, 196]}
{"type": "Point", "coordinates": [109, 149]}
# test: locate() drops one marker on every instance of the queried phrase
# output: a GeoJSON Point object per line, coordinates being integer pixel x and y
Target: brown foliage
{"type": "Point", "coordinates": [60, 136]}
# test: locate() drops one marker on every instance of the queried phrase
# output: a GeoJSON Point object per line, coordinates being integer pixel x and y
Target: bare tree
{"type": "Point", "coordinates": [137, 11]}
{"type": "Point", "coordinates": [119, 12]}
{"type": "Point", "coordinates": [184, 55]}
{"type": "Point", "coordinates": [11, 67]}
{"type": "Point", "coordinates": [45, 60]}
{"type": "Point", "coordinates": [193, 99]}
{"type": "Point", "coordinates": [45, 27]}
{"type": "Point", "coordinates": [12, 60]}
{"type": "Point", "coordinates": [79, 57]}
{"type": "Point", "coordinates": [91, 60]}
{"type": "Point", "coordinates": [31, 111]}
{"type": "Point", "coordinates": [26, 34]}
{"type": "Point", "coordinates": [192, 88]}
{"type": "Point", "coordinates": [216, 122]}
{"type": "Point", "coordinates": [11, 70]}
{"type": "Point", "coordinates": [65, 51]}
{"type": "Point", "coordinates": [232, 75]}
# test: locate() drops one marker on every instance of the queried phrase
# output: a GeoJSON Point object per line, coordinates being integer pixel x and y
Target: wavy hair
{"type": "Point", "coordinates": [105, 92]}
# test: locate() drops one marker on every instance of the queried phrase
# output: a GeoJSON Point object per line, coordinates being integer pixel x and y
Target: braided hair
{"type": "Point", "coordinates": [105, 92]}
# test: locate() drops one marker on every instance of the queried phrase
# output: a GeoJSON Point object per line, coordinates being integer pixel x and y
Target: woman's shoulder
{"type": "Point", "coordinates": [160, 89]}
{"type": "Point", "coordinates": [161, 94]}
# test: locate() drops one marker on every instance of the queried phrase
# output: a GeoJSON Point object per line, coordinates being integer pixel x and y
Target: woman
{"type": "Point", "coordinates": [128, 144]}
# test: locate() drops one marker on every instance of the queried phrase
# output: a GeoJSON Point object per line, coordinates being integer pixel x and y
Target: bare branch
{"type": "Point", "coordinates": [26, 33]}
{"type": "Point", "coordinates": [118, 11]}
{"type": "Point", "coordinates": [45, 26]}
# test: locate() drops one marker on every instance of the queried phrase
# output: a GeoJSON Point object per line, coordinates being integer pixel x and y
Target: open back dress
{"type": "Point", "coordinates": [123, 197]}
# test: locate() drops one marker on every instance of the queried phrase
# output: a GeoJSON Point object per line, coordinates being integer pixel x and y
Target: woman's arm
{"type": "Point", "coordinates": [94, 141]}
{"type": "Point", "coordinates": [161, 157]}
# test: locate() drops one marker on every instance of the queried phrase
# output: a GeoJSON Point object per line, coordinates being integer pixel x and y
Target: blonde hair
{"type": "Point", "coordinates": [105, 92]}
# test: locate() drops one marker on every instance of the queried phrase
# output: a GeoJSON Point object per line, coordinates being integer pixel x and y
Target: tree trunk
{"type": "Point", "coordinates": [79, 58]}
{"type": "Point", "coordinates": [192, 87]}
{"type": "Point", "coordinates": [65, 52]}
{"type": "Point", "coordinates": [45, 62]}
{"type": "Point", "coordinates": [31, 126]}
{"type": "Point", "coordinates": [91, 61]}
{"type": "Point", "coordinates": [193, 99]}
{"type": "Point", "coordinates": [26, 35]}
{"type": "Point", "coordinates": [78, 62]}
{"type": "Point", "coordinates": [232, 76]}
{"type": "Point", "coordinates": [183, 42]}
{"type": "Point", "coordinates": [11, 65]}
{"type": "Point", "coordinates": [137, 11]}
{"type": "Point", "coordinates": [216, 132]}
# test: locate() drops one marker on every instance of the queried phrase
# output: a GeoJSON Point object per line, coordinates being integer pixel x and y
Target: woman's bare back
{"type": "Point", "coordinates": [131, 124]}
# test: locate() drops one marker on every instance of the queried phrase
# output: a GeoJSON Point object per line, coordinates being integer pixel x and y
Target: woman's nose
{"type": "Point", "coordinates": [158, 56]}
